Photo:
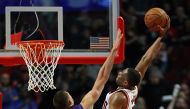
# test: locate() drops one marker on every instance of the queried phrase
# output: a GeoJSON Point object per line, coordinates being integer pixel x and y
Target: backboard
{"type": "Point", "coordinates": [87, 27]}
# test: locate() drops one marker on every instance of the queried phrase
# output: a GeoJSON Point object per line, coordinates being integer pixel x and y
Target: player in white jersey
{"type": "Point", "coordinates": [129, 79]}
{"type": "Point", "coordinates": [130, 95]}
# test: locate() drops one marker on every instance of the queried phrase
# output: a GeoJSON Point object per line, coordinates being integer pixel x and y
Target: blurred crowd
{"type": "Point", "coordinates": [172, 65]}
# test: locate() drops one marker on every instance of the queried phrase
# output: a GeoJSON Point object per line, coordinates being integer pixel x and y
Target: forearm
{"type": "Point", "coordinates": [148, 57]}
{"type": "Point", "coordinates": [106, 68]}
{"type": "Point", "coordinates": [153, 51]}
{"type": "Point", "coordinates": [155, 46]}
{"type": "Point", "coordinates": [109, 63]}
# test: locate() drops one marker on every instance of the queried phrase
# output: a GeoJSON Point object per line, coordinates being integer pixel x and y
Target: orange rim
{"type": "Point", "coordinates": [40, 42]}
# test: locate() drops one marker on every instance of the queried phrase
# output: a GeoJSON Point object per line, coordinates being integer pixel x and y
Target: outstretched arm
{"type": "Point", "coordinates": [103, 75]}
{"type": "Point", "coordinates": [146, 60]}
{"type": "Point", "coordinates": [151, 53]}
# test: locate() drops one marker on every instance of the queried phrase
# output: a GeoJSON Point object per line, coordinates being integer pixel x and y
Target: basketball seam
{"type": "Point", "coordinates": [162, 13]}
{"type": "Point", "coordinates": [156, 17]}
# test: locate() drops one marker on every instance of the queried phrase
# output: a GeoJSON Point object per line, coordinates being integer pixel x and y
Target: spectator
{"type": "Point", "coordinates": [10, 94]}
{"type": "Point", "coordinates": [140, 103]}
{"type": "Point", "coordinates": [26, 101]}
{"type": "Point", "coordinates": [181, 103]}
{"type": "Point", "coordinates": [155, 88]}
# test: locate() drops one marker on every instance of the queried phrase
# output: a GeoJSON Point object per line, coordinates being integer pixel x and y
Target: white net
{"type": "Point", "coordinates": [41, 58]}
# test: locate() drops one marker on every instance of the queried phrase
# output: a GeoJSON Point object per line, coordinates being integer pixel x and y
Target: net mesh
{"type": "Point", "coordinates": [41, 58]}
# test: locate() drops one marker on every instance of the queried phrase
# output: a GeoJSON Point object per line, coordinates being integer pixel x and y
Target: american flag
{"type": "Point", "coordinates": [99, 42]}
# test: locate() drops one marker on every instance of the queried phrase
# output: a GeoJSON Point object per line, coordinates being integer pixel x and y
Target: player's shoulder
{"type": "Point", "coordinates": [119, 97]}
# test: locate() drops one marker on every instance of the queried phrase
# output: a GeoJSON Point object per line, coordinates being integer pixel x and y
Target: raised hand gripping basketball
{"type": "Point", "coordinates": [162, 31]}
{"type": "Point", "coordinates": [157, 20]}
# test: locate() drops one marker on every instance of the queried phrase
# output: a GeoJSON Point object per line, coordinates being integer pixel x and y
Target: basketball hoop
{"type": "Point", "coordinates": [41, 57]}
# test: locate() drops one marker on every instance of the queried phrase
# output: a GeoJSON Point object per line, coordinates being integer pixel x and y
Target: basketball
{"type": "Point", "coordinates": [155, 17]}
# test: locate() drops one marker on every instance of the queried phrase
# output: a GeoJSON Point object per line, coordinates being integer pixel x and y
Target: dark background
{"type": "Point", "coordinates": [169, 68]}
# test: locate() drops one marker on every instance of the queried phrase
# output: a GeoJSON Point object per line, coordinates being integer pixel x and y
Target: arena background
{"type": "Point", "coordinates": [171, 67]}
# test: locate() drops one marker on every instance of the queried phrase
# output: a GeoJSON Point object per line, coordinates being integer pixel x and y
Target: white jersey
{"type": "Point", "coordinates": [130, 95]}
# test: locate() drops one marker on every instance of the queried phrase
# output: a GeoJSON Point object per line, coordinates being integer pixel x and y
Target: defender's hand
{"type": "Point", "coordinates": [118, 40]}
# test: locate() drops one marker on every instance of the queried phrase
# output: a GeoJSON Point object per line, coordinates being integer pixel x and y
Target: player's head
{"type": "Point", "coordinates": [62, 100]}
{"type": "Point", "coordinates": [128, 78]}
